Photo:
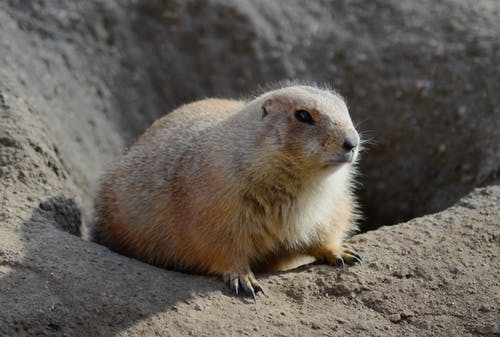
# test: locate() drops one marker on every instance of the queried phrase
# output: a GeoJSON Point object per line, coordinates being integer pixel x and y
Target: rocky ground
{"type": "Point", "coordinates": [79, 80]}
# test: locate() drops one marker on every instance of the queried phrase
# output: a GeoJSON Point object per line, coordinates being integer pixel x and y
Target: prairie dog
{"type": "Point", "coordinates": [225, 187]}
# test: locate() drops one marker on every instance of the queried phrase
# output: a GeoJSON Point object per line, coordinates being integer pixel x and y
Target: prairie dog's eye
{"type": "Point", "coordinates": [304, 116]}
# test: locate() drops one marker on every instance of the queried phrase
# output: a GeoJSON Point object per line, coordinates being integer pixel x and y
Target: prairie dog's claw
{"type": "Point", "coordinates": [359, 259]}
{"type": "Point", "coordinates": [352, 257]}
{"type": "Point", "coordinates": [246, 281]}
{"type": "Point", "coordinates": [342, 256]}
{"type": "Point", "coordinates": [258, 288]}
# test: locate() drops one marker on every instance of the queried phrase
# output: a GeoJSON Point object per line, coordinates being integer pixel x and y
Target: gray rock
{"type": "Point", "coordinates": [79, 80]}
{"type": "Point", "coordinates": [421, 79]}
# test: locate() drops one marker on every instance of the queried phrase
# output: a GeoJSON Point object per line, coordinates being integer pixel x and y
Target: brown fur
{"type": "Point", "coordinates": [220, 186]}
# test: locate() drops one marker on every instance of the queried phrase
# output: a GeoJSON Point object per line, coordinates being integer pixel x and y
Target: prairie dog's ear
{"type": "Point", "coordinates": [267, 107]}
{"type": "Point", "coordinates": [272, 105]}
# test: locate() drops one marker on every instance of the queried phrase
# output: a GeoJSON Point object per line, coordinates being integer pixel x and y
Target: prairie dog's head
{"type": "Point", "coordinates": [311, 127]}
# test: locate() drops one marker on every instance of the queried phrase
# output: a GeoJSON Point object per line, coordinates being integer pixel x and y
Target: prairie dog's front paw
{"type": "Point", "coordinates": [246, 281]}
{"type": "Point", "coordinates": [338, 255]}
{"type": "Point", "coordinates": [348, 255]}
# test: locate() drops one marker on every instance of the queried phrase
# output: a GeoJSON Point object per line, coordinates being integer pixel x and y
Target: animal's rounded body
{"type": "Point", "coordinates": [222, 186]}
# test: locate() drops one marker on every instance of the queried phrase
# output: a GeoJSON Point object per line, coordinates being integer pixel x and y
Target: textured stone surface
{"type": "Point", "coordinates": [421, 79]}
{"type": "Point", "coordinates": [80, 79]}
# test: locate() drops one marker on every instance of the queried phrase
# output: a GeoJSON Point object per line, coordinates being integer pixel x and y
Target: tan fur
{"type": "Point", "coordinates": [220, 186]}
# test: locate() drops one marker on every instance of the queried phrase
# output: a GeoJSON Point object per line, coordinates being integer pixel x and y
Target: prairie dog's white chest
{"type": "Point", "coordinates": [315, 209]}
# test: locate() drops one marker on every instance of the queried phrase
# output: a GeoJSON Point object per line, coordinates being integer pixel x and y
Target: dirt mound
{"type": "Point", "coordinates": [80, 79]}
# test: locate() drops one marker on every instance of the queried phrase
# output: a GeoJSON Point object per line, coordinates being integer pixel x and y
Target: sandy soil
{"type": "Point", "coordinates": [80, 80]}
{"type": "Point", "coordinates": [433, 276]}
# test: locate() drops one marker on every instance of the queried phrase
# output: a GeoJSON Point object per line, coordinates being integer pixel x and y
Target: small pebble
{"type": "Point", "coordinates": [394, 318]}
{"type": "Point", "coordinates": [315, 326]}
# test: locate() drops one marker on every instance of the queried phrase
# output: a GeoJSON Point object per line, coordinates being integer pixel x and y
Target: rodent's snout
{"type": "Point", "coordinates": [348, 151]}
{"type": "Point", "coordinates": [351, 140]}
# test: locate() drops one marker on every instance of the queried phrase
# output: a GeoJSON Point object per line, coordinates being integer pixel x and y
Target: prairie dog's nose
{"type": "Point", "coordinates": [351, 140]}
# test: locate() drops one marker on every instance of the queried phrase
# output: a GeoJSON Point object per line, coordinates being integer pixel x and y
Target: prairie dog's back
{"type": "Point", "coordinates": [191, 119]}
{"type": "Point", "coordinates": [133, 188]}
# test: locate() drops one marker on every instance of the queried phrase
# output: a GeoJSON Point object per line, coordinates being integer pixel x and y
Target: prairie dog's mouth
{"type": "Point", "coordinates": [344, 157]}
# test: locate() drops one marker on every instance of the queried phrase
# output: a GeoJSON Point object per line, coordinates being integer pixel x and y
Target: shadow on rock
{"type": "Point", "coordinates": [65, 285]}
